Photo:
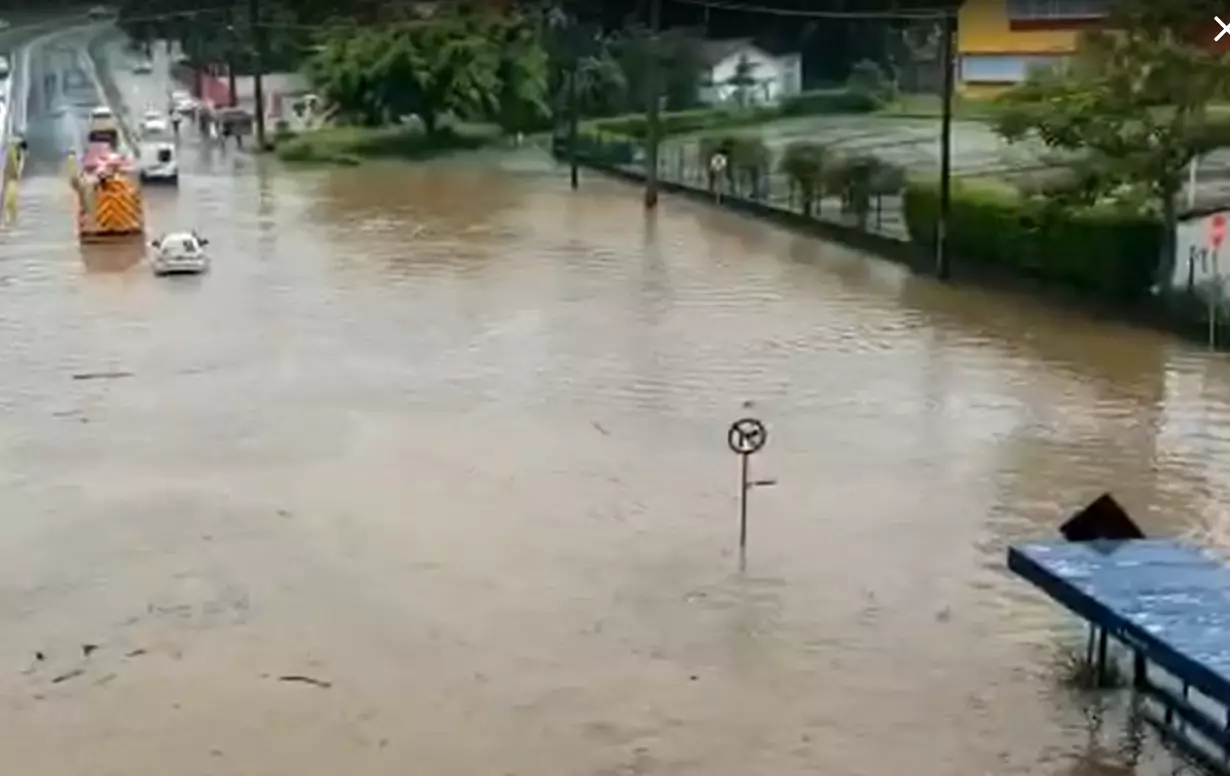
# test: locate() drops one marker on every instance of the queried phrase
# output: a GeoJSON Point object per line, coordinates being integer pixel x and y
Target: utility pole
{"type": "Point", "coordinates": [942, 260]}
{"type": "Point", "coordinates": [231, 55]}
{"type": "Point", "coordinates": [652, 128]}
{"type": "Point", "coordinates": [258, 56]}
{"type": "Point", "coordinates": [574, 121]}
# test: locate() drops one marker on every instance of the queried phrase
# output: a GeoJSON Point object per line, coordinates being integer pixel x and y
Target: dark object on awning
{"type": "Point", "coordinates": [1103, 519]}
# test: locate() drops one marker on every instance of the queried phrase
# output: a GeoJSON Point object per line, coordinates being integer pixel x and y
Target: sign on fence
{"type": "Point", "coordinates": [1198, 241]}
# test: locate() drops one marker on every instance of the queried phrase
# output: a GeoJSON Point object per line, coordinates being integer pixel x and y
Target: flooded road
{"type": "Point", "coordinates": [451, 439]}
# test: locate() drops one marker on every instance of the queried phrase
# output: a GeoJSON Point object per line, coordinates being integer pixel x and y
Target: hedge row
{"type": "Point", "coordinates": [1098, 252]}
{"type": "Point", "coordinates": [831, 101]}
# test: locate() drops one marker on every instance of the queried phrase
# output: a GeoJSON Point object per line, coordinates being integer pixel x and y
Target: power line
{"type": "Point", "coordinates": [725, 5]}
{"type": "Point", "coordinates": [229, 9]}
{"type": "Point", "coordinates": [172, 15]}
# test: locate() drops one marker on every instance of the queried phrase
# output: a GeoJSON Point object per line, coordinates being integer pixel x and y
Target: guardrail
{"type": "Point", "coordinates": [12, 113]}
{"type": "Point", "coordinates": [17, 85]}
{"type": "Point", "coordinates": [6, 123]}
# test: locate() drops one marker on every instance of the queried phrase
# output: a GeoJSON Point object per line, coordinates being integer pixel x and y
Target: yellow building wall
{"type": "Point", "coordinates": [983, 28]}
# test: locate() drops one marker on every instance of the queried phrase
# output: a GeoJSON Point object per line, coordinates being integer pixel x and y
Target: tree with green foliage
{"type": "Point", "coordinates": [748, 161]}
{"type": "Point", "coordinates": [213, 33]}
{"type": "Point", "coordinates": [522, 75]}
{"type": "Point", "coordinates": [581, 51]}
{"type": "Point", "coordinates": [743, 81]}
{"type": "Point", "coordinates": [461, 63]}
{"type": "Point", "coordinates": [680, 61]}
{"type": "Point", "coordinates": [1132, 106]}
{"type": "Point", "coordinates": [343, 71]}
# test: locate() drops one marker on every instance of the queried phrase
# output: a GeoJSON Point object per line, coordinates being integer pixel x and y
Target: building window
{"type": "Point", "coordinates": [1056, 10]}
{"type": "Point", "coordinates": [1003, 68]}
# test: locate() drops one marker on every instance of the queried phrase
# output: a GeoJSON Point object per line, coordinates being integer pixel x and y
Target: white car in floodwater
{"type": "Point", "coordinates": [183, 103]}
{"type": "Point", "coordinates": [154, 125]}
{"type": "Point", "coordinates": [180, 253]}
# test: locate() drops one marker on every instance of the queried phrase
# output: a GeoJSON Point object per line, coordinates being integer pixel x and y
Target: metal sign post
{"type": "Point", "coordinates": [1217, 235]}
{"type": "Point", "coordinates": [746, 437]}
{"type": "Point", "coordinates": [717, 166]}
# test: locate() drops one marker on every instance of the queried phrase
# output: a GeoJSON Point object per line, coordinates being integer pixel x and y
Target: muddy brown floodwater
{"type": "Point", "coordinates": [451, 439]}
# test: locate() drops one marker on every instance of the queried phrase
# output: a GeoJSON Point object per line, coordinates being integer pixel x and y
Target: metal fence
{"type": "Point", "coordinates": [880, 214]}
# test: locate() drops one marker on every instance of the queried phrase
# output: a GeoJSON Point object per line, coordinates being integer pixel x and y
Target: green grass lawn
{"type": "Point", "coordinates": [925, 106]}
{"type": "Point", "coordinates": [910, 142]}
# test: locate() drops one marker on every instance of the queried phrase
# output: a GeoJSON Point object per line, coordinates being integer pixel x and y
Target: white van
{"type": "Point", "coordinates": [159, 162]}
{"type": "Point", "coordinates": [102, 118]}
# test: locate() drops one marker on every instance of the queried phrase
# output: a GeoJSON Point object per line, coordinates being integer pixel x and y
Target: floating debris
{"type": "Point", "coordinates": [101, 375]}
{"type": "Point", "coordinates": [73, 674]}
{"type": "Point", "coordinates": [306, 680]}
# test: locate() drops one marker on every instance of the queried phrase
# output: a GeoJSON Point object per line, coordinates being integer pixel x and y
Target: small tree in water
{"type": "Point", "coordinates": [803, 164]}
{"type": "Point", "coordinates": [743, 81]}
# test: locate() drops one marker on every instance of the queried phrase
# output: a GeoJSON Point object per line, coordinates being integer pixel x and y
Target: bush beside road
{"type": "Point", "coordinates": [1105, 253]}
{"type": "Point", "coordinates": [352, 145]}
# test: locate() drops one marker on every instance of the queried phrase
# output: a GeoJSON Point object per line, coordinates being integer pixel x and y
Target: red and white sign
{"type": "Point", "coordinates": [1217, 230]}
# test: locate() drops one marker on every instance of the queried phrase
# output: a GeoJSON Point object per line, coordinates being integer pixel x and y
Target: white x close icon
{"type": "Point", "coordinates": [1225, 28]}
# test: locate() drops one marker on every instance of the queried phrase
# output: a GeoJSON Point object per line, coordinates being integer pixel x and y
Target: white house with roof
{"type": "Point", "coordinates": [739, 72]}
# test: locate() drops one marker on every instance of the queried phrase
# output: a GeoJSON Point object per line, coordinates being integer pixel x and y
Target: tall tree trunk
{"type": "Point", "coordinates": [1170, 222]}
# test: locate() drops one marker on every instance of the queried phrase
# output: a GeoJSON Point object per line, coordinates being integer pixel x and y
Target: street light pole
{"type": "Point", "coordinates": [573, 125]}
{"type": "Point", "coordinates": [942, 260]}
{"type": "Point", "coordinates": [652, 128]}
{"type": "Point", "coordinates": [231, 56]}
{"type": "Point", "coordinates": [258, 56]}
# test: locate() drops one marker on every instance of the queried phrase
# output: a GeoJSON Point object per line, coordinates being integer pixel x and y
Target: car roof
{"type": "Point", "coordinates": [101, 110]}
{"type": "Point", "coordinates": [179, 236]}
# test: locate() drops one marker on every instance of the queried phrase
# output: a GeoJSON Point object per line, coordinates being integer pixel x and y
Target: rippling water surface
{"type": "Point", "coordinates": [451, 438]}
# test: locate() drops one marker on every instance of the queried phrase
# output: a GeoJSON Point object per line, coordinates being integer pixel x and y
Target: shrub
{"type": "Point", "coordinates": [598, 147]}
{"type": "Point", "coordinates": [825, 102]}
{"type": "Point", "coordinates": [350, 145]}
{"type": "Point", "coordinates": [862, 181]}
{"type": "Point", "coordinates": [1101, 252]}
{"type": "Point", "coordinates": [803, 164]}
{"type": "Point", "coordinates": [868, 80]}
{"type": "Point", "coordinates": [748, 162]}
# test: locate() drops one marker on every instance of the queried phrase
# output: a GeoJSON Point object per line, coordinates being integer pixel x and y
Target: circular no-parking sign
{"type": "Point", "coordinates": [747, 436]}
